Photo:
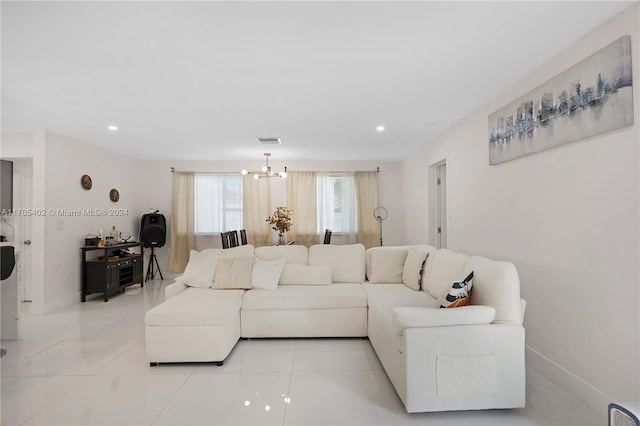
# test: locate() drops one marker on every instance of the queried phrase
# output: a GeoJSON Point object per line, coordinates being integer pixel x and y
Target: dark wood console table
{"type": "Point", "coordinates": [110, 269]}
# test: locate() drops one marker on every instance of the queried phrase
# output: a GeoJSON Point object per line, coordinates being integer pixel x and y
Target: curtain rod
{"type": "Point", "coordinates": [173, 169]}
{"type": "Point", "coordinates": [377, 170]}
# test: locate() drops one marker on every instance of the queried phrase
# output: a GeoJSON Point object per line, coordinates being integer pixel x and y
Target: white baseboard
{"type": "Point", "coordinates": [584, 392]}
{"type": "Point", "coordinates": [47, 308]}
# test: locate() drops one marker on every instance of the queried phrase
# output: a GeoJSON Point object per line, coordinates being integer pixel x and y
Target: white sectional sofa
{"type": "Point", "coordinates": [463, 358]}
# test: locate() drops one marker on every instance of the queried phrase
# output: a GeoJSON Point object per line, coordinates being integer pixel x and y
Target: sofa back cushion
{"type": "Point", "coordinates": [199, 270]}
{"type": "Point", "coordinates": [496, 284]}
{"type": "Point", "coordinates": [442, 268]}
{"type": "Point", "coordinates": [346, 261]}
{"type": "Point", "coordinates": [305, 275]}
{"type": "Point", "coordinates": [241, 251]}
{"type": "Point", "coordinates": [297, 254]}
{"type": "Point", "coordinates": [387, 266]}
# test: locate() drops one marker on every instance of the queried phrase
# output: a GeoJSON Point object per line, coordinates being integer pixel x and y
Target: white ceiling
{"type": "Point", "coordinates": [202, 80]}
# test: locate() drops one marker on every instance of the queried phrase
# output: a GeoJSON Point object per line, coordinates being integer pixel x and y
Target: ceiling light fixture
{"type": "Point", "coordinates": [380, 128]}
{"type": "Point", "coordinates": [113, 128]}
{"type": "Point", "coordinates": [266, 171]}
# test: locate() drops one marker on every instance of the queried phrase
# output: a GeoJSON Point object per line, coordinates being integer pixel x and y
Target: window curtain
{"type": "Point", "coordinates": [182, 220]}
{"type": "Point", "coordinates": [256, 210]}
{"type": "Point", "coordinates": [301, 199]}
{"type": "Point", "coordinates": [367, 196]}
{"type": "Point", "coordinates": [337, 206]}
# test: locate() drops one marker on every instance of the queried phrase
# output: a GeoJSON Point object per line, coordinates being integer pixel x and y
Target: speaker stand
{"type": "Point", "coordinates": [151, 271]}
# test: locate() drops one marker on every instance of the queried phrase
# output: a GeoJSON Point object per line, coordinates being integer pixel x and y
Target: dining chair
{"type": "Point", "coordinates": [224, 236]}
{"type": "Point", "coordinates": [233, 238]}
{"type": "Point", "coordinates": [327, 236]}
{"type": "Point", "coordinates": [243, 237]}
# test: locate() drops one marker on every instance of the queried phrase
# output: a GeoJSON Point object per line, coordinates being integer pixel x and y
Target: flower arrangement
{"type": "Point", "coordinates": [280, 221]}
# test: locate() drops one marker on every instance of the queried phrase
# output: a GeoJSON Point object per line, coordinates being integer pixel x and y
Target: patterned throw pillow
{"type": "Point", "coordinates": [459, 293]}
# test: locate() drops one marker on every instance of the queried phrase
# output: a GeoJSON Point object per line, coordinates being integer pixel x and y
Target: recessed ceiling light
{"type": "Point", "coordinates": [380, 128]}
{"type": "Point", "coordinates": [113, 128]}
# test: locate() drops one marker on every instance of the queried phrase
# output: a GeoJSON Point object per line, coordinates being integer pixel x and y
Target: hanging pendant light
{"type": "Point", "coordinates": [266, 171]}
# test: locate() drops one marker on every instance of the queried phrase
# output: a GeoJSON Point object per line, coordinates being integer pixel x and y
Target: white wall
{"type": "Point", "coordinates": [157, 180]}
{"type": "Point", "coordinates": [66, 161]}
{"type": "Point", "coordinates": [569, 220]}
{"type": "Point", "coordinates": [58, 164]}
{"type": "Point", "coordinates": [16, 145]}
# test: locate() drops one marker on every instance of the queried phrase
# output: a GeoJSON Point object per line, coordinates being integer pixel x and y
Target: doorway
{"type": "Point", "coordinates": [438, 204]}
{"type": "Point", "coordinates": [23, 199]}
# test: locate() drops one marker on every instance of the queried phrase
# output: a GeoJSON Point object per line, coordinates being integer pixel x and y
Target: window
{"type": "Point", "coordinates": [336, 201]}
{"type": "Point", "coordinates": [218, 203]}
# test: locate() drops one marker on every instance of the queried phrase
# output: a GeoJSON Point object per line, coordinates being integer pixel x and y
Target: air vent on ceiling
{"type": "Point", "coordinates": [269, 141]}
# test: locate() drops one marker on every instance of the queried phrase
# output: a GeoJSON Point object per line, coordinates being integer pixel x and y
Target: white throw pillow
{"type": "Point", "coordinates": [446, 268]}
{"type": "Point", "coordinates": [233, 273]}
{"type": "Point", "coordinates": [199, 271]}
{"type": "Point", "coordinates": [387, 266]}
{"type": "Point", "coordinates": [266, 273]}
{"type": "Point", "coordinates": [412, 270]}
{"type": "Point", "coordinates": [305, 275]}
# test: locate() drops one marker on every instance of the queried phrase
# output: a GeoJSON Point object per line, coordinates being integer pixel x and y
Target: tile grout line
{"type": "Point", "coordinates": [293, 362]}
{"type": "Point", "coordinates": [172, 398]}
{"type": "Point", "coordinates": [86, 377]}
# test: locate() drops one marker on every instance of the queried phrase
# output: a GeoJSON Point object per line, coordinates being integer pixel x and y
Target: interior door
{"type": "Point", "coordinates": [23, 199]}
{"type": "Point", "coordinates": [441, 205]}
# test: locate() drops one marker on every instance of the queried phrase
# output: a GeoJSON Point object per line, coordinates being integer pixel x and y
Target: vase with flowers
{"type": "Point", "coordinates": [280, 221]}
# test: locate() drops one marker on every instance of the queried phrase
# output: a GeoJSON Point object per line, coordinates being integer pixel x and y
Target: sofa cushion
{"type": "Point", "coordinates": [389, 296]}
{"type": "Point", "coordinates": [412, 268]}
{"type": "Point", "coordinates": [307, 297]}
{"type": "Point", "coordinates": [233, 272]}
{"type": "Point", "coordinates": [387, 266]}
{"type": "Point", "coordinates": [496, 284]}
{"type": "Point", "coordinates": [443, 268]}
{"type": "Point", "coordinates": [421, 247]}
{"type": "Point", "coordinates": [411, 317]}
{"type": "Point", "coordinates": [294, 253]}
{"type": "Point", "coordinates": [305, 275]}
{"type": "Point", "coordinates": [346, 261]}
{"type": "Point", "coordinates": [459, 294]}
{"type": "Point", "coordinates": [266, 273]}
{"type": "Point", "coordinates": [240, 251]}
{"type": "Point", "coordinates": [199, 271]}
{"type": "Point", "coordinates": [382, 299]}
{"type": "Point", "coordinates": [196, 307]}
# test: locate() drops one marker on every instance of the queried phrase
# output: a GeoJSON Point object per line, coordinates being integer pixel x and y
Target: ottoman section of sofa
{"type": "Point", "coordinates": [197, 325]}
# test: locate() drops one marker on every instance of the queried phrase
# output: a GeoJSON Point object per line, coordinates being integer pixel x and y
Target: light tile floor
{"type": "Point", "coordinates": [85, 365]}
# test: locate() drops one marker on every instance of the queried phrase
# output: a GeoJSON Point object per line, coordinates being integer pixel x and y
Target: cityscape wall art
{"type": "Point", "coordinates": [592, 97]}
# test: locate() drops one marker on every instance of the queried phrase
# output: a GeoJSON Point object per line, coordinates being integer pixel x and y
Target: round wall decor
{"type": "Point", "coordinates": [86, 182]}
{"type": "Point", "coordinates": [114, 195]}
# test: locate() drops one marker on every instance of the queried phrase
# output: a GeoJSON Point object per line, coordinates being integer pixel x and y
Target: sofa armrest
{"type": "Point", "coordinates": [174, 289]}
{"type": "Point", "coordinates": [412, 317]}
{"type": "Point", "coordinates": [464, 367]}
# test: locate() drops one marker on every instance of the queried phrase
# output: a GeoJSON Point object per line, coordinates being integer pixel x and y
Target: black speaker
{"type": "Point", "coordinates": [153, 230]}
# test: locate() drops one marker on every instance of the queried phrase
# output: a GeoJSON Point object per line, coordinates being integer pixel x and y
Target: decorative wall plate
{"type": "Point", "coordinates": [114, 195]}
{"type": "Point", "coordinates": [86, 182]}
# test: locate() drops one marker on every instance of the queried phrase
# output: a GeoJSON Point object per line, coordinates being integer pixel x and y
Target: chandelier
{"type": "Point", "coordinates": [266, 171]}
